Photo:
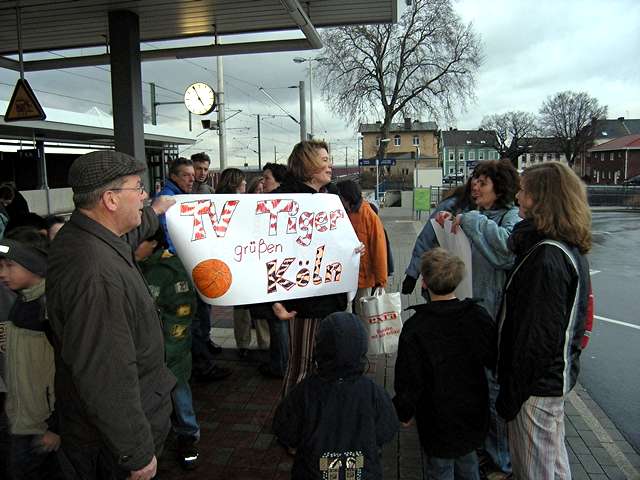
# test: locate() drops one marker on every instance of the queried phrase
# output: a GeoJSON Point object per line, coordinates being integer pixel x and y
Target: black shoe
{"type": "Point", "coordinates": [188, 454]}
{"type": "Point", "coordinates": [215, 373]}
{"type": "Point", "coordinates": [265, 370]}
{"type": "Point", "coordinates": [214, 348]}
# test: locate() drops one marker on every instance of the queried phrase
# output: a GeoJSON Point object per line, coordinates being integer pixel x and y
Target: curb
{"type": "Point", "coordinates": [602, 435]}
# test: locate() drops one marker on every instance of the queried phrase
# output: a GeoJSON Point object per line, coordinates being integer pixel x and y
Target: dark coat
{"type": "Point", "coordinates": [112, 386]}
{"type": "Point", "coordinates": [542, 321]}
{"type": "Point", "coordinates": [440, 376]}
{"type": "Point", "coordinates": [337, 416]}
{"type": "Point", "coordinates": [310, 307]}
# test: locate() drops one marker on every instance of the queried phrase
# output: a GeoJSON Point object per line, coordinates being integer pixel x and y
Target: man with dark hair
{"type": "Point", "coordinates": [201, 163]}
{"type": "Point", "coordinates": [180, 182]}
{"type": "Point", "coordinates": [273, 175]}
{"type": "Point", "coordinates": [112, 385]}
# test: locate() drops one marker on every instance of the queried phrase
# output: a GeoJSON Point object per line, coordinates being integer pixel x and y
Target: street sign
{"type": "Point", "coordinates": [23, 104]}
{"type": "Point", "coordinates": [371, 162]}
{"type": "Point", "coordinates": [422, 199]}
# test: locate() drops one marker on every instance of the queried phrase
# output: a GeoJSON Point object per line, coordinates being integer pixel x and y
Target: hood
{"type": "Point", "coordinates": [524, 236]}
{"type": "Point", "coordinates": [341, 347]}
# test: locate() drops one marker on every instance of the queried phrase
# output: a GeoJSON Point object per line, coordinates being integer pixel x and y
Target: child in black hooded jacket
{"type": "Point", "coordinates": [337, 419]}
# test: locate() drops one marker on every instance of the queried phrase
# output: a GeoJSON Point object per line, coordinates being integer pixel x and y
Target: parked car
{"type": "Point", "coordinates": [634, 181]}
{"type": "Point", "coordinates": [450, 179]}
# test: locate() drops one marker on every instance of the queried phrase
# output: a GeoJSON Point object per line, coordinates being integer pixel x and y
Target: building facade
{"type": "Point", "coordinates": [539, 150]}
{"type": "Point", "coordinates": [461, 150]}
{"type": "Point", "coordinates": [613, 162]}
{"type": "Point", "coordinates": [603, 130]}
{"type": "Point", "coordinates": [412, 144]}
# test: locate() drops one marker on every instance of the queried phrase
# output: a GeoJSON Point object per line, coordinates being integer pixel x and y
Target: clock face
{"type": "Point", "coordinates": [200, 99]}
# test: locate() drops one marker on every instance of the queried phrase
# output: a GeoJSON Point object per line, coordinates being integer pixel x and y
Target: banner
{"type": "Point", "coordinates": [252, 248]}
{"type": "Point", "coordinates": [457, 244]}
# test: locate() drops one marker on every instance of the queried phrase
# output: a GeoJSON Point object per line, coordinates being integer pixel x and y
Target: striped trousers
{"type": "Point", "coordinates": [536, 440]}
{"type": "Point", "coordinates": [302, 335]}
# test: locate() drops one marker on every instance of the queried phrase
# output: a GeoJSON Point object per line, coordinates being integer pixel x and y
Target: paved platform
{"type": "Point", "coordinates": [235, 415]}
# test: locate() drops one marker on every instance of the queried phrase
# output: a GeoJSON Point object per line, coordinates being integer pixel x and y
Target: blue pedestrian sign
{"type": "Point", "coordinates": [371, 162]}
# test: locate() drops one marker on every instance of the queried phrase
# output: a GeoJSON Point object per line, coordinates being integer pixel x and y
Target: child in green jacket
{"type": "Point", "coordinates": [175, 296]}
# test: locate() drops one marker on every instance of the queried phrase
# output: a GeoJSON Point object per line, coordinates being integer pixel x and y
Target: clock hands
{"type": "Point", "coordinates": [196, 92]}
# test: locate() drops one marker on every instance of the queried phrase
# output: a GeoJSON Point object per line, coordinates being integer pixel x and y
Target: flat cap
{"type": "Point", "coordinates": [96, 169]}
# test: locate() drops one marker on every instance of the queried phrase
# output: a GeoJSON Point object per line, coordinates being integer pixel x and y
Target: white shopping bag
{"type": "Point", "coordinates": [381, 314]}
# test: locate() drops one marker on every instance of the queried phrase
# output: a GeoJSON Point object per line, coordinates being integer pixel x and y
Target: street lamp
{"type": "Point", "coordinates": [310, 62]}
{"type": "Point", "coordinates": [382, 140]}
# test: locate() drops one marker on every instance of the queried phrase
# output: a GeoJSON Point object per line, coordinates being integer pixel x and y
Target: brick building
{"type": "Point", "coordinates": [411, 144]}
{"type": "Point", "coordinates": [615, 161]}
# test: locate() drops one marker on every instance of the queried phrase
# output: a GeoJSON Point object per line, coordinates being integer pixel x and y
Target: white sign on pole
{"type": "Point", "coordinates": [243, 249]}
{"type": "Point", "coordinates": [457, 244]}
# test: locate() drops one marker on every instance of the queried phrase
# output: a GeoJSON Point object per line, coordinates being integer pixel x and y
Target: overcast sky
{"type": "Point", "coordinates": [532, 49]}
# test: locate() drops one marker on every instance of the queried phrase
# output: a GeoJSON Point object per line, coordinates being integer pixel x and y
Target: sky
{"type": "Point", "coordinates": [532, 49]}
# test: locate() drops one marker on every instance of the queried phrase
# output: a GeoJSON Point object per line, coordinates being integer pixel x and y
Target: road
{"type": "Point", "coordinates": [611, 363]}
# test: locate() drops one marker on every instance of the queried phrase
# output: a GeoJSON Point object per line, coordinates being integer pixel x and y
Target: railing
{"type": "Point", "coordinates": [613, 196]}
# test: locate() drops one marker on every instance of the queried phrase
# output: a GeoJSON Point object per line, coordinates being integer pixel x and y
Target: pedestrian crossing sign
{"type": "Point", "coordinates": [23, 104]}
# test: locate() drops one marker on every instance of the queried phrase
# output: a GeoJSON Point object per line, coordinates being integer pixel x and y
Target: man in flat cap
{"type": "Point", "coordinates": [112, 385]}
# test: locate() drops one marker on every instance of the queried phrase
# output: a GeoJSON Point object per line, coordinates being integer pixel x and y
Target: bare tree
{"type": "Point", "coordinates": [425, 64]}
{"type": "Point", "coordinates": [567, 116]}
{"type": "Point", "coordinates": [511, 128]}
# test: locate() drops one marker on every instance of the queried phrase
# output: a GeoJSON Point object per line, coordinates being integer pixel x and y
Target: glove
{"type": "Point", "coordinates": [408, 285]}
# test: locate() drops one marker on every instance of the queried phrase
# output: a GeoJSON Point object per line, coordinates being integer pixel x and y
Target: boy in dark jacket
{"type": "Point", "coordinates": [175, 296]}
{"type": "Point", "coordinates": [439, 375]}
{"type": "Point", "coordinates": [337, 419]}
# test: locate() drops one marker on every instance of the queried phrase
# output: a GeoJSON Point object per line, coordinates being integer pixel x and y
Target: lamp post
{"type": "Point", "coordinates": [378, 158]}
{"type": "Point", "coordinates": [310, 62]}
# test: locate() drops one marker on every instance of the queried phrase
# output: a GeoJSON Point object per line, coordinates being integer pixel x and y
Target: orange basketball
{"type": "Point", "coordinates": [212, 277]}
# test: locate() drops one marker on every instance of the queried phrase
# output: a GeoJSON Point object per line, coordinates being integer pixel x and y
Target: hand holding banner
{"type": "Point", "coordinates": [243, 249]}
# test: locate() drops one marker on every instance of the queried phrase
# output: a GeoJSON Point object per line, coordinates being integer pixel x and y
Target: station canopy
{"type": "Point", "coordinates": [47, 25]}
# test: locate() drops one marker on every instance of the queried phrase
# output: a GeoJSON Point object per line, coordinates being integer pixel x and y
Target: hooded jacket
{"type": "Point", "coordinates": [440, 377]}
{"type": "Point", "coordinates": [542, 320]}
{"type": "Point", "coordinates": [373, 262]}
{"type": "Point", "coordinates": [337, 419]}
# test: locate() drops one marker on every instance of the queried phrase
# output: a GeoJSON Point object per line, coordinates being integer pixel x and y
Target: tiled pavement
{"type": "Point", "coordinates": [235, 414]}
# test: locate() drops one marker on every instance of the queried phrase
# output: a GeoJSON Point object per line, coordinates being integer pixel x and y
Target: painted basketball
{"type": "Point", "coordinates": [212, 277]}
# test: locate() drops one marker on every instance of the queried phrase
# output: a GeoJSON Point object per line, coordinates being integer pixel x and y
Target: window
{"type": "Point", "coordinates": [461, 156]}
{"type": "Point", "coordinates": [540, 158]}
{"type": "Point", "coordinates": [451, 170]}
{"type": "Point", "coordinates": [451, 158]}
{"type": "Point", "coordinates": [481, 155]}
{"type": "Point", "coordinates": [377, 141]}
{"type": "Point", "coordinates": [416, 140]}
{"type": "Point", "coordinates": [611, 156]}
{"type": "Point", "coordinates": [602, 157]}
{"type": "Point", "coordinates": [557, 156]}
{"type": "Point", "coordinates": [471, 155]}
{"type": "Point", "coordinates": [549, 157]}
{"type": "Point", "coordinates": [396, 140]}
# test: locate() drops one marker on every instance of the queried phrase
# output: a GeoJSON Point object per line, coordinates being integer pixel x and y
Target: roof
{"type": "Point", "coordinates": [416, 126]}
{"type": "Point", "coordinates": [95, 128]}
{"type": "Point", "coordinates": [540, 144]}
{"type": "Point", "coordinates": [468, 138]}
{"type": "Point", "coordinates": [605, 129]}
{"type": "Point", "coordinates": [62, 24]}
{"type": "Point", "coordinates": [628, 142]}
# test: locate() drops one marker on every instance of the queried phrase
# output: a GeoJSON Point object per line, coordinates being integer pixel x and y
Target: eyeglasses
{"type": "Point", "coordinates": [140, 189]}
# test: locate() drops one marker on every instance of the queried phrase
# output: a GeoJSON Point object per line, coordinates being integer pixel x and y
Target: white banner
{"type": "Point", "coordinates": [253, 248]}
{"type": "Point", "coordinates": [457, 244]}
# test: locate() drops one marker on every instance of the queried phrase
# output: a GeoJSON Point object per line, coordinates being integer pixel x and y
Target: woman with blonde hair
{"type": "Point", "coordinates": [541, 321]}
{"type": "Point", "coordinates": [308, 171]}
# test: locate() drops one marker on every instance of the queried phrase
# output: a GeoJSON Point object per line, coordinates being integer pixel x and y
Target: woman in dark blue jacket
{"type": "Point", "coordinates": [541, 321]}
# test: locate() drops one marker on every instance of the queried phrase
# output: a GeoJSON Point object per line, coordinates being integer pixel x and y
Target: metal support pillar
{"type": "Point", "coordinates": [126, 84]}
